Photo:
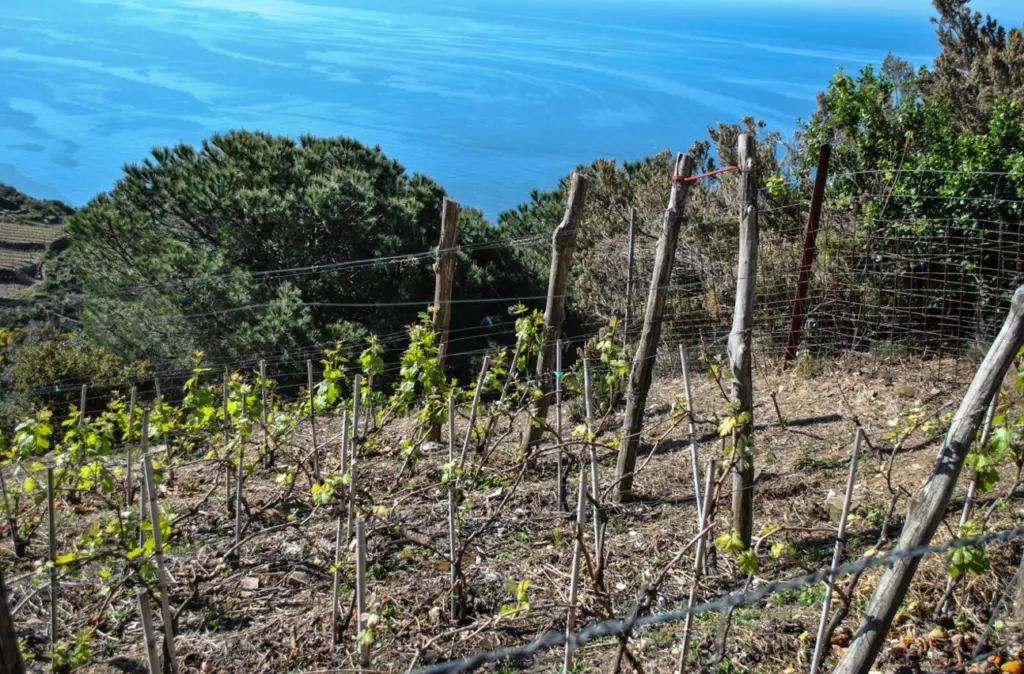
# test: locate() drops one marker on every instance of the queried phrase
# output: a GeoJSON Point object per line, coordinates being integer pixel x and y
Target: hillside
{"type": "Point", "coordinates": [27, 228]}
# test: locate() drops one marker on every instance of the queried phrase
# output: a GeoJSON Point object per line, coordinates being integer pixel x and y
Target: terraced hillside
{"type": "Point", "coordinates": [27, 228]}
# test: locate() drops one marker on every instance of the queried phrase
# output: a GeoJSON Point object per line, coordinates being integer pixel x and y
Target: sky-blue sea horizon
{"type": "Point", "coordinates": [489, 98]}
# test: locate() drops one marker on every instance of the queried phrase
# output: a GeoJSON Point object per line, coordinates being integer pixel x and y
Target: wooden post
{"type": "Point", "coordinates": [694, 450]}
{"type": "Point", "coordinates": [148, 633]}
{"type": "Point", "coordinates": [927, 507]}
{"type": "Point", "coordinates": [160, 406]}
{"type": "Point", "coordinates": [562, 244]}
{"type": "Point", "coordinates": [740, 343]}
{"type": "Point", "coordinates": [364, 651]}
{"type": "Point", "coordinates": [837, 554]}
{"type": "Point", "coordinates": [312, 417]}
{"type": "Point", "coordinates": [10, 655]}
{"type": "Point", "coordinates": [595, 486]}
{"type": "Point", "coordinates": [796, 324]}
{"type": "Point", "coordinates": [630, 261]}
{"type": "Point", "coordinates": [143, 493]}
{"type": "Point", "coordinates": [643, 362]}
{"type": "Point", "coordinates": [560, 478]}
{"type": "Point", "coordinates": [240, 474]}
{"type": "Point", "coordinates": [577, 553]}
{"type": "Point", "coordinates": [444, 270]}
{"type": "Point", "coordinates": [453, 537]}
{"type": "Point", "coordinates": [51, 520]}
{"type": "Point", "coordinates": [158, 554]}
{"type": "Point", "coordinates": [698, 562]}
{"type": "Point", "coordinates": [128, 483]}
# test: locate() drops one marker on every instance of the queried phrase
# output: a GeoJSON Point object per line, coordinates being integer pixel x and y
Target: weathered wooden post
{"type": "Point", "coordinates": [148, 632]}
{"type": "Point", "coordinates": [574, 574]}
{"type": "Point", "coordinates": [740, 344]}
{"type": "Point", "coordinates": [444, 270]}
{"type": "Point", "coordinates": [453, 536]}
{"type": "Point", "coordinates": [562, 243]}
{"type": "Point", "coordinates": [560, 477]}
{"type": "Point", "coordinates": [698, 561]}
{"type": "Point", "coordinates": [796, 324]}
{"type": "Point", "coordinates": [10, 655]}
{"type": "Point", "coordinates": [361, 617]}
{"type": "Point", "coordinates": [927, 507]}
{"type": "Point", "coordinates": [268, 459]}
{"type": "Point", "coordinates": [630, 261]}
{"type": "Point", "coordinates": [643, 362]}
{"type": "Point", "coordinates": [595, 485]}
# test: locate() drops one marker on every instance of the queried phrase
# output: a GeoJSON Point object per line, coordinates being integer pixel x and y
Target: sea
{"type": "Point", "coordinates": [491, 98]}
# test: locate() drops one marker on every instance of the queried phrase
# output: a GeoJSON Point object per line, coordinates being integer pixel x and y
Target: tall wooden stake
{"type": "Point", "coordinates": [130, 437]}
{"type": "Point", "coordinates": [160, 406]}
{"type": "Point", "coordinates": [227, 442]}
{"type": "Point", "coordinates": [630, 260]}
{"type": "Point", "coordinates": [356, 383]}
{"type": "Point", "coordinates": [364, 651]}
{"type": "Point", "coordinates": [837, 553]}
{"type": "Point", "coordinates": [740, 344]}
{"type": "Point", "coordinates": [81, 406]}
{"type": "Point", "coordinates": [643, 362]}
{"type": "Point", "coordinates": [158, 554]}
{"type": "Point", "coordinates": [595, 485]}
{"type": "Point", "coordinates": [796, 323]}
{"type": "Point", "coordinates": [698, 562]}
{"type": "Point", "coordinates": [560, 481]}
{"type": "Point", "coordinates": [336, 587]}
{"type": "Point", "coordinates": [453, 536]}
{"type": "Point", "coordinates": [562, 244]}
{"type": "Point", "coordinates": [51, 520]}
{"type": "Point", "coordinates": [577, 554]}
{"type": "Point", "coordinates": [312, 418]}
{"type": "Point", "coordinates": [472, 411]}
{"type": "Point", "coordinates": [694, 450]}
{"type": "Point", "coordinates": [268, 458]}
{"type": "Point", "coordinates": [444, 270]}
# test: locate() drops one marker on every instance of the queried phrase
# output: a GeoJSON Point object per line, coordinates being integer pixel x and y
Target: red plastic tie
{"type": "Point", "coordinates": [730, 167]}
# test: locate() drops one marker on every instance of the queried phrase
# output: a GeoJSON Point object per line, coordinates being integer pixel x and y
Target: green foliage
{"type": "Point", "coordinates": [520, 590]}
{"type": "Point", "coordinates": [968, 559]}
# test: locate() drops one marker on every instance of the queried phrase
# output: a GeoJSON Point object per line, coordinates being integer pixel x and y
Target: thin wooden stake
{"type": "Point", "coordinates": [694, 450]}
{"type": "Point", "coordinates": [560, 478]}
{"type": "Point", "coordinates": [129, 484]}
{"type": "Point", "coordinates": [472, 411]}
{"type": "Point", "coordinates": [148, 633]}
{"type": "Point", "coordinates": [343, 463]}
{"type": "Point", "coordinates": [364, 651]}
{"type": "Point", "coordinates": [158, 554]}
{"type": "Point", "coordinates": [12, 522]}
{"type": "Point", "coordinates": [240, 474]}
{"type": "Point", "coordinates": [227, 441]}
{"type": "Point", "coordinates": [595, 484]}
{"type": "Point", "coordinates": [51, 519]}
{"type": "Point", "coordinates": [265, 414]}
{"type": "Point", "coordinates": [336, 588]}
{"type": "Point", "coordinates": [698, 562]}
{"type": "Point", "coordinates": [312, 418]}
{"type": "Point", "coordinates": [143, 492]}
{"type": "Point", "coordinates": [444, 269]}
{"type": "Point", "coordinates": [356, 382]}
{"type": "Point", "coordinates": [163, 434]}
{"type": "Point", "coordinates": [837, 553]}
{"type": "Point", "coordinates": [453, 535]}
{"type": "Point", "coordinates": [574, 574]}
{"type": "Point", "coordinates": [81, 406]}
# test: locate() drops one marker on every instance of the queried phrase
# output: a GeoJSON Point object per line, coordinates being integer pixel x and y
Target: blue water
{"type": "Point", "coordinates": [490, 98]}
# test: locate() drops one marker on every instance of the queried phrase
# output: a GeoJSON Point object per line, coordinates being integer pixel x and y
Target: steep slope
{"type": "Point", "coordinates": [28, 227]}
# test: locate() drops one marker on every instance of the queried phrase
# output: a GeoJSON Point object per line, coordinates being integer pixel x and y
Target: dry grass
{"type": "Point", "coordinates": [279, 621]}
